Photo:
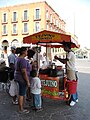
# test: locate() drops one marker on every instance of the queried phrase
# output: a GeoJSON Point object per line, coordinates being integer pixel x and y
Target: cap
{"type": "Point", "coordinates": [13, 48]}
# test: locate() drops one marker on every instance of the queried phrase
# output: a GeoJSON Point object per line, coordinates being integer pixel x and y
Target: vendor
{"type": "Point", "coordinates": [70, 68]}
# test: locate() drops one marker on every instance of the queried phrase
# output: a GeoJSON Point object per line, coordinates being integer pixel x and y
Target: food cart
{"type": "Point", "coordinates": [54, 85]}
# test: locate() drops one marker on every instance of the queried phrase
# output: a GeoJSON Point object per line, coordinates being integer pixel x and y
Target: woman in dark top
{"type": "Point", "coordinates": [22, 76]}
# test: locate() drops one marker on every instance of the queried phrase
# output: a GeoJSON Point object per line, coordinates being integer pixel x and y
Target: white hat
{"type": "Point", "coordinates": [2, 61]}
{"type": "Point", "coordinates": [13, 48]}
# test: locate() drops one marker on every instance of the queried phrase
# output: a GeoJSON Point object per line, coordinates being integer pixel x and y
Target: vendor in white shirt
{"type": "Point", "coordinates": [70, 69]}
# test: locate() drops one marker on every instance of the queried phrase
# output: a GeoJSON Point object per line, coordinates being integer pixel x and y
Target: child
{"type": "Point", "coordinates": [36, 90]}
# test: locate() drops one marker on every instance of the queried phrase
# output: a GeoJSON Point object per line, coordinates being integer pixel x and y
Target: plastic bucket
{"type": "Point", "coordinates": [72, 86]}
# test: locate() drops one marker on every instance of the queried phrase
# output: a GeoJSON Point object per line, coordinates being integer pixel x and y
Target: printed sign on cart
{"type": "Point", "coordinates": [50, 88]}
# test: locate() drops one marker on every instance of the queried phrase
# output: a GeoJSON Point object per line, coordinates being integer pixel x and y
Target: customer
{"type": "Point", "coordinates": [30, 54]}
{"type": "Point", "coordinates": [22, 75]}
{"type": "Point", "coordinates": [70, 69]}
{"type": "Point", "coordinates": [13, 88]}
{"type": "Point", "coordinates": [36, 90]}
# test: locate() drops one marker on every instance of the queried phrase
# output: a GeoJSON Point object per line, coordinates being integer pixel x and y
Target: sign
{"type": "Point", "coordinates": [50, 87]}
{"type": "Point", "coordinates": [43, 37]}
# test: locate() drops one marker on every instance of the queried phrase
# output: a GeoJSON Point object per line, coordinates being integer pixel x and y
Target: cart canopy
{"type": "Point", "coordinates": [48, 38]}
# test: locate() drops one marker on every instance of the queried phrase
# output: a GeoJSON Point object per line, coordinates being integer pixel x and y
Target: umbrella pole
{"type": "Point", "coordinates": [37, 58]}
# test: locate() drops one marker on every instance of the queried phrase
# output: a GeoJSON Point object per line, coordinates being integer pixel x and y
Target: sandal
{"type": "Point", "coordinates": [39, 110]}
{"type": "Point", "coordinates": [24, 111]}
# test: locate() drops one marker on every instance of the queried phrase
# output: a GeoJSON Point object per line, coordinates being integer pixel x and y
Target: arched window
{"type": "Point", "coordinates": [15, 42]}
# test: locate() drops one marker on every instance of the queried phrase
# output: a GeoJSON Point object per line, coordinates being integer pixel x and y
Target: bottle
{"type": "Point", "coordinates": [66, 94]}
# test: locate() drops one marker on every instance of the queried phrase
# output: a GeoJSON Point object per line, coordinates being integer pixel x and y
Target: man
{"type": "Point", "coordinates": [13, 88]}
{"type": "Point", "coordinates": [70, 69]}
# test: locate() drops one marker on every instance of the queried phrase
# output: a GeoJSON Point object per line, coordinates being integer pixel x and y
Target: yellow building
{"type": "Point", "coordinates": [22, 20]}
{"type": "Point", "coordinates": [19, 21]}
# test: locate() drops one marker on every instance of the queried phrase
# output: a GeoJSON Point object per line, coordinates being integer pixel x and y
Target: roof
{"type": "Point", "coordinates": [50, 37]}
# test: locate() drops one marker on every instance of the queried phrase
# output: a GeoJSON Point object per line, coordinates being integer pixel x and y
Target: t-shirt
{"type": "Point", "coordinates": [19, 65]}
{"type": "Point", "coordinates": [71, 61]}
{"type": "Point", "coordinates": [11, 58]}
{"type": "Point", "coordinates": [35, 85]}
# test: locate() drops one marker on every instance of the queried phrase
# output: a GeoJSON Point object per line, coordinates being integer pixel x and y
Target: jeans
{"type": "Point", "coordinates": [74, 97]}
{"type": "Point", "coordinates": [37, 101]}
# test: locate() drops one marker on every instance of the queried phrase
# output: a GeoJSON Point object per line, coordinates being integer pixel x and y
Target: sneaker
{"type": "Point", "coordinates": [72, 103]}
{"type": "Point", "coordinates": [15, 102]}
{"type": "Point", "coordinates": [77, 101]}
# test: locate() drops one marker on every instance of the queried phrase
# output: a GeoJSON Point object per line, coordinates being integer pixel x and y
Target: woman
{"type": "Point", "coordinates": [22, 75]}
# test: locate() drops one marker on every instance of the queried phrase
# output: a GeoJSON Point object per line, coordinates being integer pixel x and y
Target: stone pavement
{"type": "Point", "coordinates": [52, 109]}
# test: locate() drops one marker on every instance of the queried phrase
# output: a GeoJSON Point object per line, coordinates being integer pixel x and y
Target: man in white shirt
{"type": "Point", "coordinates": [70, 69]}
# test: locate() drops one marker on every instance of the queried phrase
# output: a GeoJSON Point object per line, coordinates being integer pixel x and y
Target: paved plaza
{"type": "Point", "coordinates": [54, 109]}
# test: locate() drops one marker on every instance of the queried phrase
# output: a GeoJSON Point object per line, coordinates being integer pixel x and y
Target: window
{"type": "Point", "coordinates": [37, 27]}
{"type": "Point", "coordinates": [51, 18]}
{"type": "Point", "coordinates": [37, 14]}
{"type": "Point", "coordinates": [46, 14]}
{"type": "Point", "coordinates": [47, 26]}
{"type": "Point", "coordinates": [4, 17]}
{"type": "Point", "coordinates": [25, 15]}
{"type": "Point", "coordinates": [50, 27]}
{"type": "Point", "coordinates": [14, 28]}
{"type": "Point", "coordinates": [53, 50]}
{"type": "Point", "coordinates": [25, 28]}
{"type": "Point", "coordinates": [4, 29]}
{"type": "Point", "coordinates": [54, 21]}
{"type": "Point", "coordinates": [57, 23]}
{"type": "Point", "coordinates": [14, 16]}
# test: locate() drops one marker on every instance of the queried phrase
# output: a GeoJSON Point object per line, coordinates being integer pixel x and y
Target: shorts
{"type": "Point", "coordinates": [22, 88]}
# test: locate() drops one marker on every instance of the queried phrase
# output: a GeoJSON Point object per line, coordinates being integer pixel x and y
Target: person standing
{"type": "Point", "coordinates": [36, 90]}
{"type": "Point", "coordinates": [13, 88]}
{"type": "Point", "coordinates": [22, 76]}
{"type": "Point", "coordinates": [70, 69]}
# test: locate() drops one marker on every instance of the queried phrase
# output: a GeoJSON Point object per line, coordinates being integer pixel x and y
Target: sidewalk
{"type": "Point", "coordinates": [52, 110]}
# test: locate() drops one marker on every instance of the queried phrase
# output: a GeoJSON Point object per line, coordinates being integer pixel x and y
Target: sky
{"type": "Point", "coordinates": [76, 14]}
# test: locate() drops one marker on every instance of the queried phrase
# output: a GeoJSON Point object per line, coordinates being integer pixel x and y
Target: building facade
{"type": "Point", "coordinates": [19, 21]}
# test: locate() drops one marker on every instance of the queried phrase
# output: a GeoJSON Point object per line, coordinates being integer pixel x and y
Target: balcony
{"type": "Point", "coordinates": [4, 34]}
{"type": "Point", "coordinates": [25, 19]}
{"type": "Point", "coordinates": [47, 19]}
{"type": "Point", "coordinates": [14, 33]}
{"type": "Point", "coordinates": [25, 33]}
{"type": "Point", "coordinates": [51, 21]}
{"type": "Point", "coordinates": [37, 18]}
{"type": "Point", "coordinates": [14, 21]}
{"type": "Point", "coordinates": [4, 22]}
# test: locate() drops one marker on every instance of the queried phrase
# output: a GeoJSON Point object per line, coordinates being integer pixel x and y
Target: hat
{"type": "Point", "coordinates": [2, 61]}
{"type": "Point", "coordinates": [13, 48]}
